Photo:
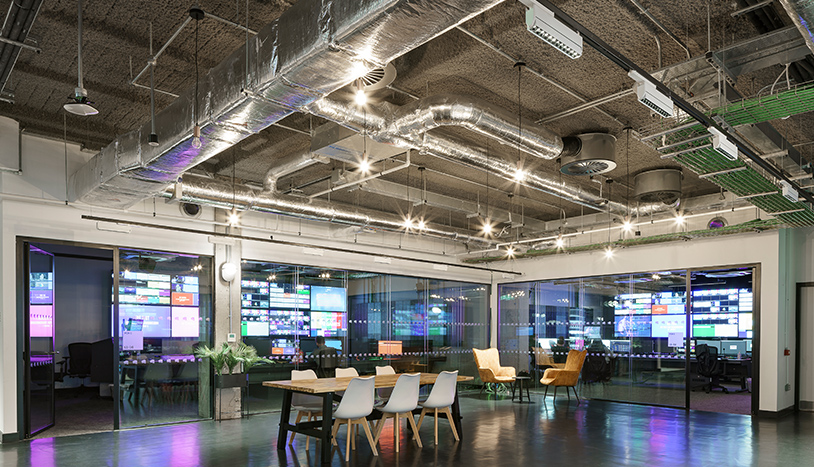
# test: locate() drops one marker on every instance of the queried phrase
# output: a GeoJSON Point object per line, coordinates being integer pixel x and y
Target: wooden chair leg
{"type": "Point", "coordinates": [417, 438]}
{"type": "Point", "coordinates": [369, 436]}
{"type": "Point", "coordinates": [396, 431]}
{"type": "Point", "coordinates": [451, 424]}
{"type": "Point", "coordinates": [347, 443]}
{"type": "Point", "coordinates": [380, 427]}
{"type": "Point", "coordinates": [435, 416]}
{"type": "Point", "coordinates": [421, 417]}
{"type": "Point", "coordinates": [353, 431]}
{"type": "Point", "coordinates": [299, 417]}
{"type": "Point", "coordinates": [334, 431]}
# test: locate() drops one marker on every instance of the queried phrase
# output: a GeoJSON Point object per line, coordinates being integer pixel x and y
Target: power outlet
{"type": "Point", "coordinates": [788, 387]}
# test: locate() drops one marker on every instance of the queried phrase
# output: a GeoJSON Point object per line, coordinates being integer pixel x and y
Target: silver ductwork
{"type": "Point", "coordinates": [386, 122]}
{"type": "Point", "coordinates": [801, 13]}
{"type": "Point", "coordinates": [290, 164]}
{"type": "Point", "coordinates": [202, 190]}
{"type": "Point", "coordinates": [313, 49]}
{"type": "Point", "coordinates": [375, 121]}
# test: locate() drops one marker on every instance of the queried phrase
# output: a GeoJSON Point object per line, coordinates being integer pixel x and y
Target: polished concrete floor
{"type": "Point", "coordinates": [496, 433]}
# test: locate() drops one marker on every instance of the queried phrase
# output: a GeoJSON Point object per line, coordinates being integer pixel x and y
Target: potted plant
{"type": "Point", "coordinates": [225, 359]}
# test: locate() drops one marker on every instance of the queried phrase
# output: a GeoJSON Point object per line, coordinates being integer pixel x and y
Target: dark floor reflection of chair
{"type": "Point", "coordinates": [187, 379]}
{"type": "Point", "coordinates": [709, 367]}
{"type": "Point", "coordinates": [597, 369]}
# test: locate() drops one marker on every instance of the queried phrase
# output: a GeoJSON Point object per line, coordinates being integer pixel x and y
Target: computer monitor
{"type": "Point", "coordinates": [748, 345]}
{"type": "Point", "coordinates": [733, 348]}
{"type": "Point", "coordinates": [593, 332]}
{"type": "Point", "coordinates": [308, 345]}
{"type": "Point", "coordinates": [334, 343]}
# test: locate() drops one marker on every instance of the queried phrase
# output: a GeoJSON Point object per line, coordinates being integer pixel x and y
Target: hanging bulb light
{"type": "Point", "coordinates": [234, 218]}
{"type": "Point", "coordinates": [196, 137]}
{"type": "Point", "coordinates": [560, 241]}
{"type": "Point", "coordinates": [510, 252]}
{"type": "Point", "coordinates": [421, 225]}
{"type": "Point", "coordinates": [364, 165]}
{"type": "Point", "coordinates": [487, 227]}
{"type": "Point", "coordinates": [609, 252]}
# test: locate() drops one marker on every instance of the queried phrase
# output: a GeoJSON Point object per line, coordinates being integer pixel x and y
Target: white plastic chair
{"type": "Point", "coordinates": [441, 399]}
{"type": "Point", "coordinates": [346, 372]}
{"type": "Point", "coordinates": [305, 405]}
{"type": "Point", "coordinates": [384, 393]}
{"type": "Point", "coordinates": [349, 372]}
{"type": "Point", "coordinates": [401, 404]}
{"type": "Point", "coordinates": [353, 409]}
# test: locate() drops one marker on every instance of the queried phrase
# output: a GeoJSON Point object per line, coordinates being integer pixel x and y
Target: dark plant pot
{"type": "Point", "coordinates": [237, 380]}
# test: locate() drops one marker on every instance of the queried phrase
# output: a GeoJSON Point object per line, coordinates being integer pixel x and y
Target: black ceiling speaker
{"type": "Point", "coordinates": [191, 209]}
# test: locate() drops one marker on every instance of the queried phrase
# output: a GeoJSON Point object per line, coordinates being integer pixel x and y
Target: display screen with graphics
{"type": "Point", "coordinates": [289, 296]}
{"type": "Point", "coordinates": [663, 325]}
{"type": "Point", "coordinates": [289, 323]}
{"type": "Point", "coordinates": [328, 324]}
{"type": "Point", "coordinates": [42, 320]}
{"type": "Point", "coordinates": [156, 319]}
{"type": "Point", "coordinates": [329, 298]}
{"type": "Point", "coordinates": [633, 304]}
{"type": "Point", "coordinates": [185, 321]}
{"type": "Point", "coordinates": [715, 325]}
{"type": "Point", "coordinates": [632, 326]}
{"type": "Point", "coordinates": [144, 288]}
{"type": "Point", "coordinates": [668, 303]}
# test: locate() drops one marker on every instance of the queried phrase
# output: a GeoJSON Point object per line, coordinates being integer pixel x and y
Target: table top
{"type": "Point", "coordinates": [324, 385]}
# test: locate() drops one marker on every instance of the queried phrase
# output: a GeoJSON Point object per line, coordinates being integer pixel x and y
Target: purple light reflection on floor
{"type": "Point", "coordinates": [42, 453]}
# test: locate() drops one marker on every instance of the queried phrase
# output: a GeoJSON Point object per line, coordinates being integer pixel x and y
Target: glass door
{"type": "Point", "coordinates": [39, 340]}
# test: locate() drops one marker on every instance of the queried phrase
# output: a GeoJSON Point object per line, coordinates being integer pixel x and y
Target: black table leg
{"type": "Point", "coordinates": [285, 416]}
{"type": "Point", "coordinates": [327, 425]}
{"type": "Point", "coordinates": [456, 416]}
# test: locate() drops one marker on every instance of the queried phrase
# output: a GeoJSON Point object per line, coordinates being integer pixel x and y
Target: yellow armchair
{"type": "Point", "coordinates": [489, 369]}
{"type": "Point", "coordinates": [567, 376]}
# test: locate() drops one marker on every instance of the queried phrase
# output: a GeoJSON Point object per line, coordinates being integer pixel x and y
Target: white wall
{"type": "Point", "coordinates": [729, 250]}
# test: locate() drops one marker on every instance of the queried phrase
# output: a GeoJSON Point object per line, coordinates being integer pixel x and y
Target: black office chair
{"type": "Point", "coordinates": [709, 367]}
{"type": "Point", "coordinates": [77, 364]}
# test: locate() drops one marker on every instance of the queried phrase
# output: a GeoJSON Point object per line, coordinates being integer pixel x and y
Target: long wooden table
{"type": "Point", "coordinates": [326, 388]}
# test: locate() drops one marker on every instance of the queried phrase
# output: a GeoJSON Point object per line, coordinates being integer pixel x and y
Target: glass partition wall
{"type": "Point", "coordinates": [413, 324]}
{"type": "Point", "coordinates": [164, 312]}
{"type": "Point", "coordinates": [633, 327]}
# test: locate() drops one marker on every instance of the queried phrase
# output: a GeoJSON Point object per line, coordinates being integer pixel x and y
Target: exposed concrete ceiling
{"type": "Point", "coordinates": [476, 59]}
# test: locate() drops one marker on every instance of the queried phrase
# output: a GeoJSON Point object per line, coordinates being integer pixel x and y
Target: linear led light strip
{"type": "Point", "coordinates": [649, 95]}
{"type": "Point", "coordinates": [605, 229]}
{"type": "Point", "coordinates": [723, 145]}
{"type": "Point", "coordinates": [541, 22]}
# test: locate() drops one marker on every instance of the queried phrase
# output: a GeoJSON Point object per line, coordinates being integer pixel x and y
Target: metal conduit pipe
{"type": "Point", "coordinates": [202, 190]}
{"type": "Point", "coordinates": [662, 27]}
{"type": "Point", "coordinates": [289, 165]}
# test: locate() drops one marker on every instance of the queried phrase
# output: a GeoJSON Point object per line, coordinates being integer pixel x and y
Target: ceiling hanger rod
{"type": "Point", "coordinates": [161, 50]}
{"type": "Point", "coordinates": [628, 65]}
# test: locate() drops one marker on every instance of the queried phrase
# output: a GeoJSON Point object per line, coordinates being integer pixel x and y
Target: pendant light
{"type": "Point", "coordinates": [79, 104]}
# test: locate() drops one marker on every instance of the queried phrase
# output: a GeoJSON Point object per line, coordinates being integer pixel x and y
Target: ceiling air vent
{"type": "Point", "coordinates": [379, 78]}
{"type": "Point", "coordinates": [658, 186]}
{"type": "Point", "coordinates": [590, 154]}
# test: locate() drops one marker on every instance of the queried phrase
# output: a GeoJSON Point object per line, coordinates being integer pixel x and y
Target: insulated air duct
{"type": "Point", "coordinates": [801, 13]}
{"type": "Point", "coordinates": [381, 123]}
{"type": "Point", "coordinates": [313, 49]}
{"type": "Point", "coordinates": [202, 190]}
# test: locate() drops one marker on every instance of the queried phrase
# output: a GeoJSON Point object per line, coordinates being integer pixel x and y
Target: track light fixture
{"type": "Point", "coordinates": [723, 145]}
{"type": "Point", "coordinates": [648, 94]}
{"type": "Point", "coordinates": [541, 22]}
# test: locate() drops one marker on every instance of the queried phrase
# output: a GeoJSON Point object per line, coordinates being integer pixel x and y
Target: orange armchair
{"type": "Point", "coordinates": [567, 376]}
{"type": "Point", "coordinates": [489, 369]}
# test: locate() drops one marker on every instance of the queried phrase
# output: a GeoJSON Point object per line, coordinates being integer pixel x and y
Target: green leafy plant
{"type": "Point", "coordinates": [227, 358]}
{"type": "Point", "coordinates": [247, 355]}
